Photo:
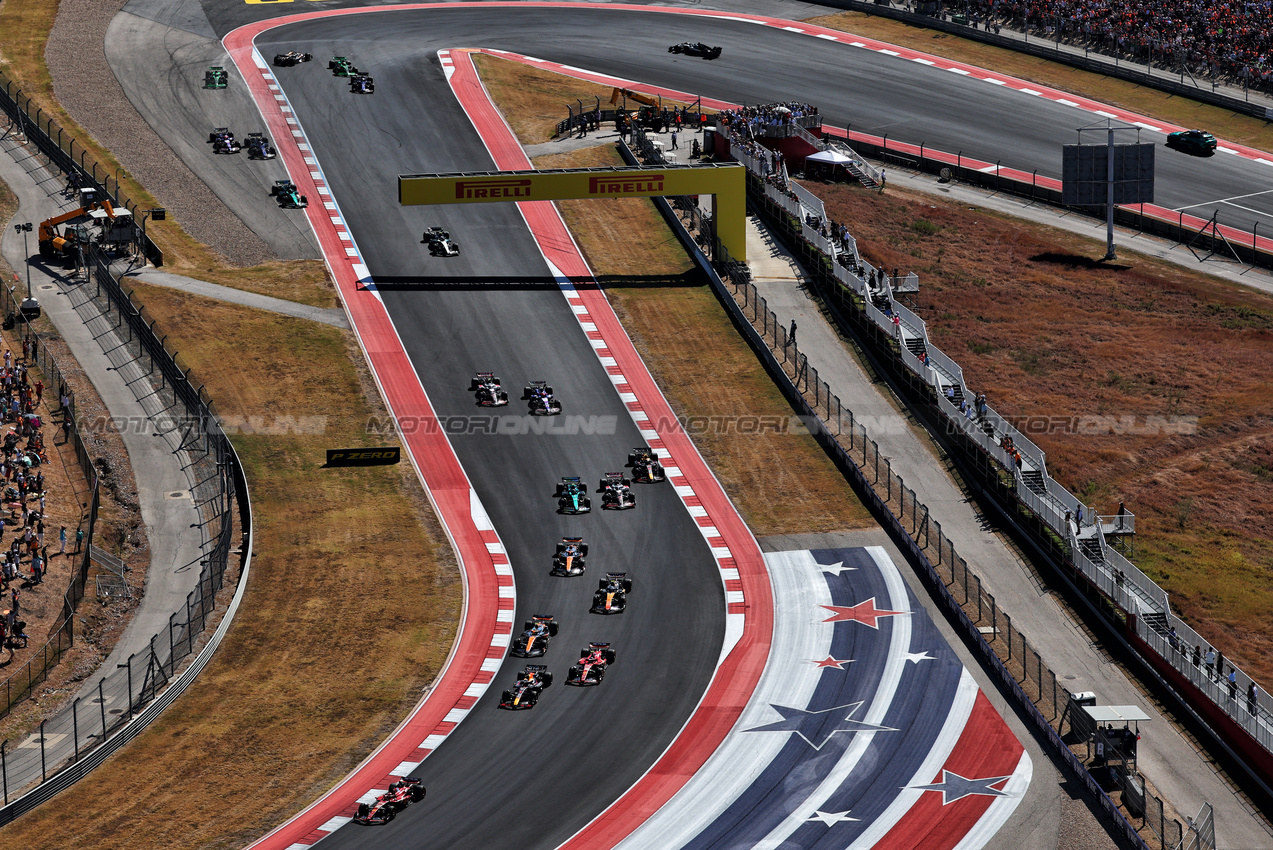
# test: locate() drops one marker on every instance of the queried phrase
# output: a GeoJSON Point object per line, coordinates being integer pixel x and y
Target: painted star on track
{"type": "Point", "coordinates": [863, 612]}
{"type": "Point", "coordinates": [919, 656]}
{"type": "Point", "coordinates": [835, 569]}
{"type": "Point", "coordinates": [831, 818]}
{"type": "Point", "coordinates": [955, 787]}
{"type": "Point", "coordinates": [837, 663]}
{"type": "Point", "coordinates": [817, 727]}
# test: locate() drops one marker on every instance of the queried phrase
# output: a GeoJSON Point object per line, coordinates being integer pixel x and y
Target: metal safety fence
{"type": "Point", "coordinates": [128, 697]}
{"type": "Point", "coordinates": [61, 636]}
{"type": "Point", "coordinates": [61, 152]}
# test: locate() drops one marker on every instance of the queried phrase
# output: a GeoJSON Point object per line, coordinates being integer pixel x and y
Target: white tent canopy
{"type": "Point", "coordinates": [1115, 713]}
{"type": "Point", "coordinates": [828, 157]}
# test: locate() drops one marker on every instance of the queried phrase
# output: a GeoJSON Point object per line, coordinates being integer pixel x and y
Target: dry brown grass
{"type": "Point", "coordinates": [1146, 101]}
{"type": "Point", "coordinates": [1046, 332]}
{"type": "Point", "coordinates": [781, 482]}
{"type": "Point", "coordinates": [350, 609]}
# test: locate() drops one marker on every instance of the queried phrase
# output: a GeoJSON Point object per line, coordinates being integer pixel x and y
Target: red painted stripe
{"type": "Point", "coordinates": [986, 748]}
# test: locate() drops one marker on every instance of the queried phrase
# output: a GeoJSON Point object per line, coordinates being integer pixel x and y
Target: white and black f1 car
{"type": "Point", "coordinates": [612, 594]}
{"type": "Point", "coordinates": [645, 465]}
{"type": "Point", "coordinates": [592, 665]}
{"type": "Point", "coordinates": [489, 392]}
{"type": "Point", "coordinates": [568, 560]}
{"type": "Point", "coordinates": [525, 691]}
{"type": "Point", "coordinates": [223, 141]}
{"type": "Point", "coordinates": [291, 57]}
{"type": "Point", "coordinates": [695, 48]}
{"type": "Point", "coordinates": [439, 242]}
{"type": "Point", "coordinates": [259, 147]}
{"type": "Point", "coordinates": [616, 492]}
{"type": "Point", "coordinates": [541, 399]}
{"type": "Point", "coordinates": [362, 84]}
{"type": "Point", "coordinates": [572, 496]}
{"type": "Point", "coordinates": [533, 641]}
{"type": "Point", "coordinates": [383, 809]}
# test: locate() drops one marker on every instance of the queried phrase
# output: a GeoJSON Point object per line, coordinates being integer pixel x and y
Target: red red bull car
{"type": "Point", "coordinates": [526, 690]}
{"type": "Point", "coordinates": [612, 594]}
{"type": "Point", "coordinates": [616, 492]}
{"type": "Point", "coordinates": [592, 665]}
{"type": "Point", "coordinates": [383, 809]}
{"type": "Point", "coordinates": [645, 465]}
{"type": "Point", "coordinates": [533, 641]}
{"type": "Point", "coordinates": [489, 392]}
{"type": "Point", "coordinates": [569, 557]}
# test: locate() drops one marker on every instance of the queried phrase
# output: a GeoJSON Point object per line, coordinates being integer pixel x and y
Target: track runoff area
{"type": "Point", "coordinates": [955, 772]}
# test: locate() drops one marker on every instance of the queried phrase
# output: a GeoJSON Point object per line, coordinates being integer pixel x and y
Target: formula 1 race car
{"type": "Point", "coordinates": [568, 560]}
{"type": "Point", "coordinates": [612, 594]}
{"type": "Point", "coordinates": [362, 84]}
{"type": "Point", "coordinates": [541, 399]}
{"type": "Point", "coordinates": [645, 465]}
{"type": "Point", "coordinates": [591, 668]}
{"type": "Point", "coordinates": [533, 641]}
{"type": "Point", "coordinates": [259, 147]}
{"type": "Point", "coordinates": [401, 794]}
{"type": "Point", "coordinates": [439, 242]}
{"type": "Point", "coordinates": [341, 67]}
{"type": "Point", "coordinates": [616, 492]}
{"type": "Point", "coordinates": [525, 691]}
{"type": "Point", "coordinates": [288, 196]}
{"type": "Point", "coordinates": [215, 78]}
{"type": "Point", "coordinates": [572, 496]}
{"type": "Point", "coordinates": [489, 392]}
{"type": "Point", "coordinates": [223, 141]}
{"type": "Point", "coordinates": [696, 48]}
{"type": "Point", "coordinates": [291, 57]}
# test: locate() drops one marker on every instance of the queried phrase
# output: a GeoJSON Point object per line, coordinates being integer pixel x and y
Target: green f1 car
{"type": "Point", "coordinates": [342, 67]}
{"type": "Point", "coordinates": [215, 78]}
{"type": "Point", "coordinates": [288, 196]}
{"type": "Point", "coordinates": [572, 496]}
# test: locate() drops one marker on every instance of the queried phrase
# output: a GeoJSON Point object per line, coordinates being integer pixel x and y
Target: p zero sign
{"type": "Point", "coordinates": [725, 183]}
{"type": "Point", "coordinates": [381, 456]}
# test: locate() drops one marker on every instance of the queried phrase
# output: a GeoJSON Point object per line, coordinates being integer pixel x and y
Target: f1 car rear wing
{"type": "Point", "coordinates": [538, 383]}
{"type": "Point", "coordinates": [598, 645]}
{"type": "Point", "coordinates": [614, 476]}
{"type": "Point", "coordinates": [616, 575]}
{"type": "Point", "coordinates": [536, 668]}
{"type": "Point", "coordinates": [572, 540]}
{"type": "Point", "coordinates": [573, 479]}
{"type": "Point", "coordinates": [543, 618]}
{"type": "Point", "coordinates": [486, 375]}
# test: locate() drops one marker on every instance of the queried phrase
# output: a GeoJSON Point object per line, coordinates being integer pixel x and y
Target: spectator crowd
{"type": "Point", "coordinates": [1228, 39]}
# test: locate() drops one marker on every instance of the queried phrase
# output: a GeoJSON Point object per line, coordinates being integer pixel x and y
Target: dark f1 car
{"type": "Point", "coordinates": [612, 594]}
{"type": "Point", "coordinates": [362, 84]}
{"type": "Point", "coordinates": [616, 492]}
{"type": "Point", "coordinates": [439, 242]}
{"type": "Point", "coordinates": [695, 48]}
{"type": "Point", "coordinates": [223, 141]}
{"type": "Point", "coordinates": [645, 465]}
{"type": "Point", "coordinates": [568, 560]}
{"type": "Point", "coordinates": [215, 78]}
{"type": "Point", "coordinates": [288, 196]}
{"type": "Point", "coordinates": [541, 399]}
{"type": "Point", "coordinates": [291, 57]}
{"type": "Point", "coordinates": [572, 496]}
{"type": "Point", "coordinates": [341, 67]}
{"type": "Point", "coordinates": [525, 691]}
{"type": "Point", "coordinates": [489, 392]}
{"type": "Point", "coordinates": [259, 147]}
{"type": "Point", "coordinates": [533, 641]}
{"type": "Point", "coordinates": [592, 665]}
{"type": "Point", "coordinates": [383, 809]}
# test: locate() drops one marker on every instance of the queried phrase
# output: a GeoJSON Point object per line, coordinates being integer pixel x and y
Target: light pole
{"type": "Point", "coordinates": [24, 229]}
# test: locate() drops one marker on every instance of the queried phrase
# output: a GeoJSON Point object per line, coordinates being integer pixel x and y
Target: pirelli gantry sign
{"type": "Point", "coordinates": [725, 183]}
{"type": "Point", "coordinates": [381, 456]}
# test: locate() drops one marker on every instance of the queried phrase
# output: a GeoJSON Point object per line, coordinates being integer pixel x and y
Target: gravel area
{"type": "Point", "coordinates": [85, 86]}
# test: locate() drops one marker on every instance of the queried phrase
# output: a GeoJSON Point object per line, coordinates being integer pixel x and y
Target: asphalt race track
{"type": "Point", "coordinates": [533, 778]}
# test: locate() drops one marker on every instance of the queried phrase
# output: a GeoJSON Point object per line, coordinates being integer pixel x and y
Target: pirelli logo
{"type": "Point", "coordinates": [605, 184]}
{"type": "Point", "coordinates": [381, 456]}
{"type": "Point", "coordinates": [510, 188]}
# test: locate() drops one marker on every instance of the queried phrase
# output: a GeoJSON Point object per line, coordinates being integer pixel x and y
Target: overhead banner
{"type": "Point", "coordinates": [726, 182]}
{"type": "Point", "coordinates": [382, 456]}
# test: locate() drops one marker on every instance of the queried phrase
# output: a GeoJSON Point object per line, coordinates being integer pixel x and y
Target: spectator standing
{"type": "Point", "coordinates": [61, 538]}
{"type": "Point", "coordinates": [674, 140]}
{"type": "Point", "coordinates": [1197, 655]}
{"type": "Point", "coordinates": [1233, 684]}
{"type": "Point", "coordinates": [1252, 692]}
{"type": "Point", "coordinates": [79, 539]}
{"type": "Point", "coordinates": [1210, 660]}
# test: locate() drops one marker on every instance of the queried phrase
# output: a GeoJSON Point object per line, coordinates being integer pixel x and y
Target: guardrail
{"type": "Point", "coordinates": [150, 680]}
{"type": "Point", "coordinates": [59, 150]}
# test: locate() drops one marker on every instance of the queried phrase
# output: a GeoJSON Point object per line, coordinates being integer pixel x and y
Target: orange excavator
{"type": "Point", "coordinates": [648, 100]}
{"type": "Point", "coordinates": [55, 243]}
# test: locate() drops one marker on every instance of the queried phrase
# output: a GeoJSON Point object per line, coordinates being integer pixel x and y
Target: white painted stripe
{"type": "Point", "coordinates": [579, 309]}
{"type": "Point", "coordinates": [309, 160]}
{"type": "Point", "coordinates": [280, 97]}
{"type": "Point", "coordinates": [298, 846]}
{"type": "Point", "coordinates": [323, 190]}
{"type": "Point", "coordinates": [1065, 102]}
{"type": "Point", "coordinates": [329, 205]}
{"type": "Point", "coordinates": [672, 471]}
{"type": "Point", "coordinates": [285, 109]}
{"type": "Point", "coordinates": [503, 569]}
{"type": "Point", "coordinates": [696, 510]}
{"type": "Point", "coordinates": [729, 573]}
{"type": "Point", "coordinates": [1142, 125]}
{"type": "Point", "coordinates": [627, 397]}
{"type": "Point", "coordinates": [598, 344]}
{"type": "Point", "coordinates": [856, 44]}
{"type": "Point", "coordinates": [609, 361]}
{"type": "Point", "coordinates": [708, 531]}
{"type": "Point", "coordinates": [491, 665]}
{"type": "Point", "coordinates": [1263, 161]}
{"type": "Point", "coordinates": [733, 596]}
{"type": "Point", "coordinates": [260, 63]}
{"type": "Point", "coordinates": [988, 169]}
{"type": "Point", "coordinates": [351, 252]}
{"type": "Point", "coordinates": [793, 29]}
{"type": "Point", "coordinates": [405, 769]}
{"type": "Point", "coordinates": [993, 81]}
{"type": "Point", "coordinates": [433, 742]}
{"type": "Point", "coordinates": [475, 690]}
{"type": "Point", "coordinates": [959, 71]}
{"type": "Point", "coordinates": [827, 37]}
{"type": "Point", "coordinates": [1223, 149]}
{"type": "Point", "coordinates": [719, 552]}
{"type": "Point", "coordinates": [1105, 114]}
{"type": "Point", "coordinates": [317, 175]}
{"type": "Point", "coordinates": [335, 823]}
{"type": "Point", "coordinates": [362, 272]}
{"type": "Point", "coordinates": [501, 640]}
{"type": "Point", "coordinates": [1000, 807]}
{"type": "Point", "coordinates": [647, 434]}
{"type": "Point", "coordinates": [504, 615]}
{"type": "Point", "coordinates": [664, 454]}
{"type": "Point", "coordinates": [335, 219]}
{"type": "Point", "coordinates": [588, 326]}
{"type": "Point", "coordinates": [1031, 92]}
{"type": "Point", "coordinates": [683, 491]}
{"type": "Point", "coordinates": [298, 134]}
{"type": "Point", "coordinates": [370, 796]}
{"type": "Point", "coordinates": [640, 415]}
{"type": "Point", "coordinates": [302, 146]}
{"type": "Point", "coordinates": [495, 548]}
{"type": "Point", "coordinates": [889, 52]}
{"type": "Point", "coordinates": [507, 591]}
{"type": "Point", "coordinates": [923, 61]}
{"type": "Point", "coordinates": [455, 715]}
{"type": "Point", "coordinates": [273, 87]}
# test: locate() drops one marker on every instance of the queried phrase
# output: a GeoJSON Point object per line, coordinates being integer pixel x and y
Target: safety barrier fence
{"type": "Point", "coordinates": [61, 152]}
{"type": "Point", "coordinates": [61, 636]}
{"type": "Point", "coordinates": [989, 629]}
{"type": "Point", "coordinates": [134, 693]}
{"type": "Point", "coordinates": [1067, 529]}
